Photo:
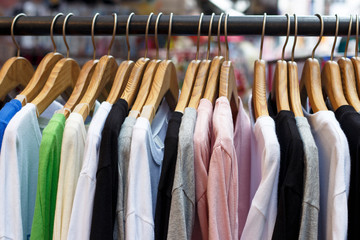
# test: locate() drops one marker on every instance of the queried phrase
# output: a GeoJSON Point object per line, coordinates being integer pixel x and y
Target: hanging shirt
{"type": "Point", "coordinates": [265, 162]}
{"type": "Point", "coordinates": [19, 170]}
{"type": "Point", "coordinates": [311, 200]}
{"type": "Point", "coordinates": [202, 152]}
{"type": "Point", "coordinates": [222, 188]}
{"type": "Point", "coordinates": [7, 112]}
{"type": "Point", "coordinates": [146, 155]}
{"type": "Point", "coordinates": [81, 214]}
{"type": "Point", "coordinates": [291, 175]}
{"type": "Point", "coordinates": [349, 121]}
{"type": "Point", "coordinates": [242, 143]}
{"type": "Point", "coordinates": [334, 175]}
{"type": "Point", "coordinates": [49, 163]}
{"type": "Point", "coordinates": [164, 195]}
{"type": "Point", "coordinates": [105, 199]}
{"type": "Point", "coordinates": [182, 210]}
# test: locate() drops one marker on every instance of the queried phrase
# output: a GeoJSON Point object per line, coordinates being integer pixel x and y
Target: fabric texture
{"type": "Point", "coordinates": [81, 214]}
{"type": "Point", "coordinates": [182, 210]}
{"type": "Point", "coordinates": [48, 175]}
{"type": "Point", "coordinates": [222, 189]}
{"type": "Point", "coordinates": [311, 200]}
{"type": "Point", "coordinates": [164, 195]}
{"type": "Point", "coordinates": [7, 112]}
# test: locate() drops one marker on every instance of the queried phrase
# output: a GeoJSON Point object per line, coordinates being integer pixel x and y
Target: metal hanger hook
{"type": "Point", "coordinates": [64, 34]}
{"type": "Point", "coordinates": [156, 34]}
{"type": "Point", "coordinates": [169, 36]}
{"type": "Point", "coordinates": [114, 33]}
{"type": "Point", "coordinates": [287, 36]}
{"type": "Point", "coordinates": [127, 34]}
{"type": "Point", "coordinates": [146, 33]}
{"type": "Point", "coordinates": [218, 34]}
{"type": "Point", "coordinates": [198, 36]}
{"type": "Point", "coordinates": [336, 34]}
{"type": "Point", "coordinates": [12, 32]}
{"type": "Point", "coordinates": [226, 38]}
{"type": "Point", "coordinates": [295, 37]}
{"type": "Point", "coordinates": [262, 36]}
{"type": "Point", "coordinates": [52, 29]}
{"type": "Point", "coordinates": [93, 33]}
{"type": "Point", "coordinates": [321, 33]}
{"type": "Point", "coordinates": [209, 36]}
{"type": "Point", "coordinates": [348, 37]}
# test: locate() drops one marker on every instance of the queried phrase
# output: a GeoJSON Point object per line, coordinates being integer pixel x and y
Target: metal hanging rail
{"type": "Point", "coordinates": [182, 25]}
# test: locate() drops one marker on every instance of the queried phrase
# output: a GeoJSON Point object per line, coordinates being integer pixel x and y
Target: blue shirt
{"type": "Point", "coordinates": [6, 114]}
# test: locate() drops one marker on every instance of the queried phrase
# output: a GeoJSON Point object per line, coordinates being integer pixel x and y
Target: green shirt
{"type": "Point", "coordinates": [49, 162]}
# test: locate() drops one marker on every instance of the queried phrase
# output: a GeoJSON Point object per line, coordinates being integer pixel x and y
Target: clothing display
{"type": "Point", "coordinates": [6, 114]}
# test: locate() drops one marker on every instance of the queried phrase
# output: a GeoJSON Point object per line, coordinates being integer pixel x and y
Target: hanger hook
{"type": "Point", "coordinates": [336, 34]}
{"type": "Point", "coordinates": [64, 34]}
{"type": "Point", "coordinates": [12, 32]}
{"type": "Point", "coordinates": [209, 36]}
{"type": "Point", "coordinates": [169, 36]}
{"type": "Point", "coordinates": [218, 34]}
{"type": "Point", "coordinates": [287, 36]}
{"type": "Point", "coordinates": [262, 36]}
{"type": "Point", "coordinates": [226, 38]}
{"type": "Point", "coordinates": [113, 34]}
{"type": "Point", "coordinates": [348, 37]}
{"type": "Point", "coordinates": [146, 33]}
{"type": "Point", "coordinates": [198, 36]}
{"type": "Point", "coordinates": [93, 33]}
{"type": "Point", "coordinates": [127, 34]}
{"type": "Point", "coordinates": [295, 37]}
{"type": "Point", "coordinates": [156, 34]}
{"type": "Point", "coordinates": [321, 33]}
{"type": "Point", "coordinates": [52, 29]}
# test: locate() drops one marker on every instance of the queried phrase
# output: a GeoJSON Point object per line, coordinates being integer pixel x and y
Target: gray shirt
{"type": "Point", "coordinates": [182, 211]}
{"type": "Point", "coordinates": [310, 205]}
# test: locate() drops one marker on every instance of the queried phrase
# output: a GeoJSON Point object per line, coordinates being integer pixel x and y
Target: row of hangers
{"type": "Point", "coordinates": [339, 81]}
{"type": "Point", "coordinates": [142, 84]}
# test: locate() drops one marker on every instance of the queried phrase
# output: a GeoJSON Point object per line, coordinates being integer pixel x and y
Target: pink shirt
{"type": "Point", "coordinates": [202, 151]}
{"type": "Point", "coordinates": [222, 191]}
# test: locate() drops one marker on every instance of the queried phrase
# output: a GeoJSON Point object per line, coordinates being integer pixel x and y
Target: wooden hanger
{"type": "Point", "coordinates": [212, 86]}
{"type": "Point", "coordinates": [42, 72]}
{"type": "Point", "coordinates": [331, 78]}
{"type": "Point", "coordinates": [259, 85]}
{"type": "Point", "coordinates": [294, 93]}
{"type": "Point", "coordinates": [190, 76]}
{"type": "Point", "coordinates": [63, 76]}
{"type": "Point", "coordinates": [227, 85]}
{"type": "Point", "coordinates": [149, 73]}
{"type": "Point", "coordinates": [202, 74]}
{"type": "Point", "coordinates": [16, 70]}
{"type": "Point", "coordinates": [103, 74]}
{"type": "Point", "coordinates": [310, 82]}
{"type": "Point", "coordinates": [356, 60]}
{"type": "Point", "coordinates": [164, 84]}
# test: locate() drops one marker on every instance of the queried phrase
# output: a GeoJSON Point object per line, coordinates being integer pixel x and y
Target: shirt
{"type": "Point", "coordinates": [19, 171]}
{"type": "Point", "coordinates": [124, 146]}
{"type": "Point", "coordinates": [265, 158]}
{"type": "Point", "coordinates": [182, 210]}
{"type": "Point", "coordinates": [6, 114]}
{"type": "Point", "coordinates": [48, 174]}
{"type": "Point", "coordinates": [202, 152]}
{"type": "Point", "coordinates": [146, 155]}
{"type": "Point", "coordinates": [349, 121]}
{"type": "Point", "coordinates": [81, 214]}
{"type": "Point", "coordinates": [311, 200]}
{"type": "Point", "coordinates": [105, 199]}
{"type": "Point", "coordinates": [164, 195]}
{"type": "Point", "coordinates": [291, 175]}
{"type": "Point", "coordinates": [334, 174]}
{"type": "Point", "coordinates": [222, 188]}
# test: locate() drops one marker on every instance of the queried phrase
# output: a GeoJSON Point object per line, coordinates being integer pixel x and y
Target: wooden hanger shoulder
{"type": "Point", "coordinates": [280, 85]}
{"type": "Point", "coordinates": [227, 86]}
{"type": "Point", "coordinates": [212, 86]}
{"type": "Point", "coordinates": [259, 90]}
{"type": "Point", "coordinates": [356, 63]}
{"type": "Point", "coordinates": [349, 82]}
{"type": "Point", "coordinates": [294, 93]}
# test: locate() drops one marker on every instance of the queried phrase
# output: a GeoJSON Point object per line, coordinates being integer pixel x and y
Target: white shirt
{"type": "Point", "coordinates": [81, 215]}
{"type": "Point", "coordinates": [19, 171]}
{"type": "Point", "coordinates": [265, 157]}
{"type": "Point", "coordinates": [334, 166]}
{"type": "Point", "coordinates": [146, 155]}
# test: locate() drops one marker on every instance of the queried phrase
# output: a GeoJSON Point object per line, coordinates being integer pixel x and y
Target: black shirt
{"type": "Point", "coordinates": [105, 200]}
{"type": "Point", "coordinates": [349, 121]}
{"type": "Point", "coordinates": [291, 175]}
{"type": "Point", "coordinates": [163, 202]}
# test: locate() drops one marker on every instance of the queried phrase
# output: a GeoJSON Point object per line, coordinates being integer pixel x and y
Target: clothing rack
{"type": "Point", "coordinates": [181, 25]}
